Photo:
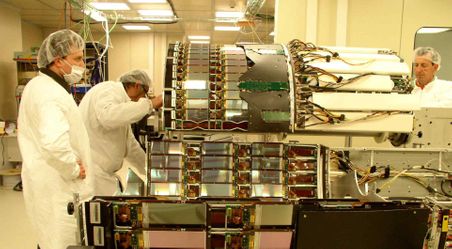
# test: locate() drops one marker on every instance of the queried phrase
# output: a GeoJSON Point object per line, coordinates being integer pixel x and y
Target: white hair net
{"type": "Point", "coordinates": [136, 76]}
{"type": "Point", "coordinates": [59, 44]}
{"type": "Point", "coordinates": [435, 57]}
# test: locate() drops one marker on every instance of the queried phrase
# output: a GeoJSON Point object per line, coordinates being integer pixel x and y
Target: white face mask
{"type": "Point", "coordinates": [76, 74]}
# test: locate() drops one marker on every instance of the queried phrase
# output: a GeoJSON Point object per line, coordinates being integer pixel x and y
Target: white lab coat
{"type": "Point", "coordinates": [51, 138]}
{"type": "Point", "coordinates": [437, 93]}
{"type": "Point", "coordinates": [108, 112]}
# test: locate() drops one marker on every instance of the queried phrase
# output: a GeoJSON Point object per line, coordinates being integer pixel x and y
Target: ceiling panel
{"type": "Point", "coordinates": [195, 17]}
{"type": "Point", "coordinates": [193, 5]}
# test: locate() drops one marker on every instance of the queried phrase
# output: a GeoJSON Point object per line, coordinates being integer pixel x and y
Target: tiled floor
{"type": "Point", "coordinates": [15, 229]}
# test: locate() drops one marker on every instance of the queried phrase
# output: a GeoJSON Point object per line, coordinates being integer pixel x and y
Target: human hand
{"type": "Point", "coordinates": [82, 173]}
{"type": "Point", "coordinates": [157, 102]}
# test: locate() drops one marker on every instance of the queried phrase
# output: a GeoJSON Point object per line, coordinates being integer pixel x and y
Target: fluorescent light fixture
{"type": "Point", "coordinates": [229, 14]}
{"type": "Point", "coordinates": [136, 27]}
{"type": "Point", "coordinates": [195, 84]}
{"type": "Point", "coordinates": [227, 28]}
{"type": "Point", "coordinates": [200, 42]}
{"type": "Point", "coordinates": [147, 1]}
{"type": "Point", "coordinates": [95, 15]}
{"type": "Point", "coordinates": [228, 20]}
{"type": "Point", "coordinates": [199, 37]}
{"type": "Point", "coordinates": [156, 12]}
{"type": "Point", "coordinates": [109, 6]}
{"type": "Point", "coordinates": [432, 30]}
{"type": "Point", "coordinates": [272, 33]}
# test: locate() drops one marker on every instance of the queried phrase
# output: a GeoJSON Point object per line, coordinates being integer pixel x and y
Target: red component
{"type": "Point", "coordinates": [299, 179]}
{"type": "Point", "coordinates": [295, 165]}
{"type": "Point", "coordinates": [298, 192]}
{"type": "Point", "coordinates": [295, 151]}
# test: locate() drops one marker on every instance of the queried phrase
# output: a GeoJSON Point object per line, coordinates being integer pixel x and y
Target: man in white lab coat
{"type": "Point", "coordinates": [53, 141]}
{"type": "Point", "coordinates": [108, 110]}
{"type": "Point", "coordinates": [431, 91]}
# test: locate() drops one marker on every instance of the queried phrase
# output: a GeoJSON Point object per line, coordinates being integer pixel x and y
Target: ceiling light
{"type": "Point", "coordinates": [200, 42]}
{"type": "Point", "coordinates": [147, 1]}
{"type": "Point", "coordinates": [227, 28]}
{"type": "Point", "coordinates": [109, 6]}
{"type": "Point", "coordinates": [231, 20]}
{"type": "Point", "coordinates": [272, 33]}
{"type": "Point", "coordinates": [156, 12]}
{"type": "Point", "coordinates": [95, 15]}
{"type": "Point", "coordinates": [136, 27]}
{"type": "Point", "coordinates": [229, 14]}
{"type": "Point", "coordinates": [199, 37]}
{"type": "Point", "coordinates": [432, 30]}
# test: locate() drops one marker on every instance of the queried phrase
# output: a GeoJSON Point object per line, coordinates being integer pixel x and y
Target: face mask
{"type": "Point", "coordinates": [76, 74]}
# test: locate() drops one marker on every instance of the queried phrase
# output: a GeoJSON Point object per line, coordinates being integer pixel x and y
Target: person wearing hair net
{"type": "Point", "coordinates": [108, 109]}
{"type": "Point", "coordinates": [431, 91]}
{"type": "Point", "coordinates": [53, 141]}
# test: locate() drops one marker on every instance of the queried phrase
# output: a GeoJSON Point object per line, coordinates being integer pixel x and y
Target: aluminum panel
{"type": "Point", "coordinates": [236, 104]}
{"type": "Point", "coordinates": [267, 190]}
{"type": "Point", "coordinates": [217, 162]}
{"type": "Point", "coordinates": [170, 189]}
{"type": "Point", "coordinates": [166, 147]}
{"type": "Point", "coordinates": [198, 69]}
{"type": "Point", "coordinates": [165, 175]}
{"type": "Point", "coordinates": [197, 94]}
{"type": "Point", "coordinates": [155, 213]}
{"type": "Point", "coordinates": [198, 76]}
{"type": "Point", "coordinates": [232, 85]}
{"type": "Point", "coordinates": [236, 115]}
{"type": "Point", "coordinates": [217, 176]}
{"type": "Point", "coordinates": [272, 240]}
{"type": "Point", "coordinates": [197, 103]}
{"type": "Point", "coordinates": [276, 215]}
{"type": "Point", "coordinates": [174, 239]}
{"type": "Point", "coordinates": [232, 76]}
{"type": "Point", "coordinates": [217, 190]}
{"type": "Point", "coordinates": [267, 149]}
{"type": "Point", "coordinates": [197, 114]}
{"type": "Point", "coordinates": [217, 148]}
{"type": "Point", "coordinates": [232, 94]}
{"type": "Point", "coordinates": [267, 163]}
{"type": "Point", "coordinates": [166, 161]}
{"type": "Point", "coordinates": [267, 177]}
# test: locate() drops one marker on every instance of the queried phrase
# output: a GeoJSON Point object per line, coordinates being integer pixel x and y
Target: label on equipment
{"type": "Point", "coordinates": [94, 212]}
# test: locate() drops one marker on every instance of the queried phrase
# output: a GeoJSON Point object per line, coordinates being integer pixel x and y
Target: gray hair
{"type": "Point", "coordinates": [435, 57]}
{"type": "Point", "coordinates": [136, 76]}
{"type": "Point", "coordinates": [58, 45]}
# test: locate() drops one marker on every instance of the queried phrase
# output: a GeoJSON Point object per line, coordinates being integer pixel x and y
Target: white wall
{"type": "Point", "coordinates": [419, 13]}
{"type": "Point", "coordinates": [11, 41]}
{"type": "Point", "coordinates": [370, 23]}
{"type": "Point", "coordinates": [32, 36]}
{"type": "Point", "coordinates": [135, 50]}
{"type": "Point", "coordinates": [288, 22]}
